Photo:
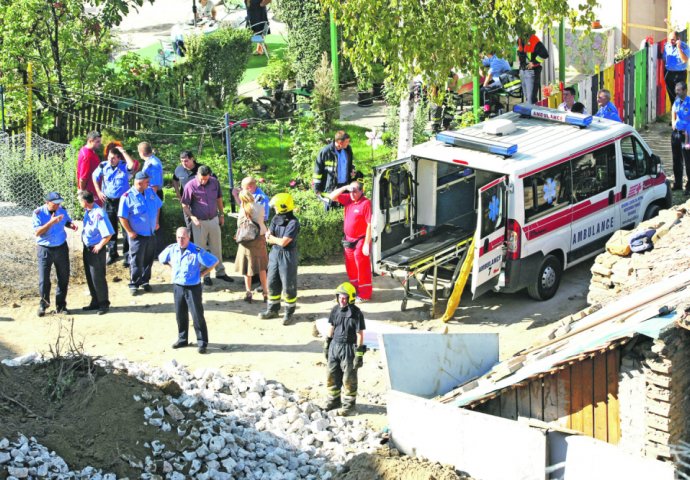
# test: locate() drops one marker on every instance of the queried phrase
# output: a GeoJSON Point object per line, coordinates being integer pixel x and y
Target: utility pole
{"type": "Point", "coordinates": [228, 152]}
{"type": "Point", "coordinates": [2, 106]}
{"type": "Point", "coordinates": [561, 53]}
{"type": "Point", "coordinates": [29, 109]}
{"type": "Point", "coordinates": [334, 54]}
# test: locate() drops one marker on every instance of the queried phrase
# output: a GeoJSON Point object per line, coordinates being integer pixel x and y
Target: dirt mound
{"type": "Point", "coordinates": [384, 466]}
{"type": "Point", "coordinates": [92, 423]}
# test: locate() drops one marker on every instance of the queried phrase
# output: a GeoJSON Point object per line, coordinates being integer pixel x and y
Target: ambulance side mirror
{"type": "Point", "coordinates": [656, 166]}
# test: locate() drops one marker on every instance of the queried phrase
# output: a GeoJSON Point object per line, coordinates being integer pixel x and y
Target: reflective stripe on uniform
{"type": "Point", "coordinates": [290, 300]}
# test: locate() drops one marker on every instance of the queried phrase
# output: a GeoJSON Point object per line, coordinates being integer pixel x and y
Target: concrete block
{"type": "Point", "coordinates": [590, 459]}
{"type": "Point", "coordinates": [431, 364]}
{"type": "Point", "coordinates": [486, 447]}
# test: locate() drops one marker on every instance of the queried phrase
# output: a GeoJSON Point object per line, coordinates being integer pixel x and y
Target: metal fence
{"type": "Point", "coordinates": [30, 168]}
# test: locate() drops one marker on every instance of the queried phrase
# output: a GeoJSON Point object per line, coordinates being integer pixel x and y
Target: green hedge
{"type": "Point", "coordinates": [308, 34]}
{"type": "Point", "coordinates": [320, 231]}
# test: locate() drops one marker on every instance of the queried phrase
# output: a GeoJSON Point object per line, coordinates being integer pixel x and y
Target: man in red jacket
{"type": "Point", "coordinates": [87, 162]}
{"type": "Point", "coordinates": [357, 241]}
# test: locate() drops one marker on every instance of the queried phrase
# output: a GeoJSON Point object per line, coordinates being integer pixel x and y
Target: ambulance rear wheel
{"type": "Point", "coordinates": [548, 278]}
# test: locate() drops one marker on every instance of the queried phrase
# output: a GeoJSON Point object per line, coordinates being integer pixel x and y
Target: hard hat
{"type": "Point", "coordinates": [282, 203]}
{"type": "Point", "coordinates": [347, 289]}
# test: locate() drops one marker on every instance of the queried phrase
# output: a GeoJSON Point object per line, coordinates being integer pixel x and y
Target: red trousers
{"type": "Point", "coordinates": [358, 269]}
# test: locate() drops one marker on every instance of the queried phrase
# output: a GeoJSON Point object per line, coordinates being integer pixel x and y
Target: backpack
{"type": "Point", "coordinates": [642, 241]}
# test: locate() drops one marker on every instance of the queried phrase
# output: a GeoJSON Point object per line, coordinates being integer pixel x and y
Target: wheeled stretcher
{"type": "Point", "coordinates": [433, 258]}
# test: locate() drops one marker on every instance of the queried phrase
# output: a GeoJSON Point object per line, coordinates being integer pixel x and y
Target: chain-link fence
{"type": "Point", "coordinates": [27, 173]}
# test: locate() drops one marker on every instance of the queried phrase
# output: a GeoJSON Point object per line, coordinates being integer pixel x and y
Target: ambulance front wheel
{"type": "Point", "coordinates": [548, 278]}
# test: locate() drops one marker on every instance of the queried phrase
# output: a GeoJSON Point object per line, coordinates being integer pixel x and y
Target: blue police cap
{"type": "Point", "coordinates": [140, 176]}
{"type": "Point", "coordinates": [54, 197]}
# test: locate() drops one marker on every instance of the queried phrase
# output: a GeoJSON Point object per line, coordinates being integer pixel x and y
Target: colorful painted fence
{"type": "Point", "coordinates": [636, 85]}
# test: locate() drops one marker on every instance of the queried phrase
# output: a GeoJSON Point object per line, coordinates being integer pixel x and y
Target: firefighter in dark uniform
{"type": "Point", "coordinates": [283, 259]}
{"type": "Point", "coordinates": [334, 166]}
{"type": "Point", "coordinates": [189, 263]}
{"type": "Point", "coordinates": [49, 223]}
{"type": "Point", "coordinates": [344, 349]}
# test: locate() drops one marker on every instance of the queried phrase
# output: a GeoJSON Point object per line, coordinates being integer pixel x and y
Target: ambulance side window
{"type": "Point", "coordinates": [594, 173]}
{"type": "Point", "coordinates": [636, 161]}
{"type": "Point", "coordinates": [547, 191]}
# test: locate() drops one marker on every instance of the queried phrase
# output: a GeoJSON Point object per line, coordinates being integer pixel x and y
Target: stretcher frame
{"type": "Point", "coordinates": [431, 263]}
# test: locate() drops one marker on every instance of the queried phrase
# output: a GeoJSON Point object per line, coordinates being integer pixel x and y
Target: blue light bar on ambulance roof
{"type": "Point", "coordinates": [553, 115]}
{"type": "Point", "coordinates": [477, 143]}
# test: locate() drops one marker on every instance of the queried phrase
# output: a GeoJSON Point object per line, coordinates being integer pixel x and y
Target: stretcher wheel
{"type": "Point", "coordinates": [403, 305]}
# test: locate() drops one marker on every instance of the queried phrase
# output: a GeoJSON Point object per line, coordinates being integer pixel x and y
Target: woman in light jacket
{"type": "Point", "coordinates": [252, 257]}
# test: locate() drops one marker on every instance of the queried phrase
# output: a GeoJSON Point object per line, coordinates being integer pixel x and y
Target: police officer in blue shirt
{"type": "Point", "coordinates": [680, 120]}
{"type": "Point", "coordinates": [189, 263]}
{"type": "Point", "coordinates": [111, 180]}
{"type": "Point", "coordinates": [95, 235]}
{"type": "Point", "coordinates": [153, 167]}
{"type": "Point", "coordinates": [675, 57]}
{"type": "Point", "coordinates": [139, 213]}
{"type": "Point", "coordinates": [606, 108]}
{"type": "Point", "coordinates": [49, 223]}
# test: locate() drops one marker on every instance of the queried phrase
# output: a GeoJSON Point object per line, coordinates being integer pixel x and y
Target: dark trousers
{"type": "Point", "coordinates": [282, 278]}
{"type": "Point", "coordinates": [531, 84]}
{"type": "Point", "coordinates": [341, 372]}
{"type": "Point", "coordinates": [47, 257]}
{"type": "Point", "coordinates": [188, 299]}
{"type": "Point", "coordinates": [94, 266]}
{"type": "Point", "coordinates": [671, 78]}
{"type": "Point", "coordinates": [142, 251]}
{"type": "Point", "coordinates": [681, 157]}
{"type": "Point", "coordinates": [111, 207]}
{"type": "Point", "coordinates": [188, 224]}
{"type": "Point", "coordinates": [160, 244]}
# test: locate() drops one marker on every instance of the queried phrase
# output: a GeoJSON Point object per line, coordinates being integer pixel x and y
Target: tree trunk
{"type": "Point", "coordinates": [408, 109]}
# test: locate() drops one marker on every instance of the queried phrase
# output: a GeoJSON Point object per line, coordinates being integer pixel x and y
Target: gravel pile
{"type": "Point", "coordinates": [232, 427]}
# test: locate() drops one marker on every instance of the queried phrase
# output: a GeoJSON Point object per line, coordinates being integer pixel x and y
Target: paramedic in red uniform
{"type": "Point", "coordinates": [357, 241]}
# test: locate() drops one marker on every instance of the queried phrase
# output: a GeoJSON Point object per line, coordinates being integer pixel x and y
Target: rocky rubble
{"type": "Point", "coordinates": [232, 427]}
{"type": "Point", "coordinates": [613, 275]}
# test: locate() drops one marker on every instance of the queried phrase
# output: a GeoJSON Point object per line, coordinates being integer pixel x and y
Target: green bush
{"type": "Point", "coordinates": [217, 62]}
{"type": "Point", "coordinates": [308, 34]}
{"type": "Point", "coordinates": [306, 143]}
{"type": "Point", "coordinates": [324, 98]}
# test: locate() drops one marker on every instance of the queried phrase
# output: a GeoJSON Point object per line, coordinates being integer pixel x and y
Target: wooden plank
{"type": "Point", "coordinates": [509, 404]}
{"type": "Point", "coordinates": [587, 397]}
{"type": "Point", "coordinates": [651, 84]}
{"type": "Point", "coordinates": [594, 89]}
{"type": "Point", "coordinates": [600, 395]}
{"type": "Point", "coordinates": [612, 410]}
{"type": "Point", "coordinates": [576, 397]}
{"type": "Point", "coordinates": [536, 399]}
{"type": "Point", "coordinates": [564, 397]}
{"type": "Point", "coordinates": [492, 407]}
{"type": "Point", "coordinates": [551, 398]}
{"type": "Point", "coordinates": [523, 407]}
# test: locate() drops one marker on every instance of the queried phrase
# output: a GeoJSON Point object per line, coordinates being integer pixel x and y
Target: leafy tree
{"type": "Point", "coordinates": [429, 37]}
{"type": "Point", "coordinates": [67, 41]}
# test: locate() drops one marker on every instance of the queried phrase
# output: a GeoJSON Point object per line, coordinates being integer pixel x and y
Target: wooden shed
{"type": "Point", "coordinates": [618, 377]}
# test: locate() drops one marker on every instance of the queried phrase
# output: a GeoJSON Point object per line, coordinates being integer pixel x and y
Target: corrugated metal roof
{"type": "Point", "coordinates": [585, 341]}
{"type": "Point", "coordinates": [538, 141]}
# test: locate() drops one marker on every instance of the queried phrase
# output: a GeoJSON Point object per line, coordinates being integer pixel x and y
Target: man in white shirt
{"type": "Point", "coordinates": [568, 100]}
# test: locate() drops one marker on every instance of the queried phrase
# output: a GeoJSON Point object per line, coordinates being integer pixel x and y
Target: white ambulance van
{"type": "Point", "coordinates": [538, 190]}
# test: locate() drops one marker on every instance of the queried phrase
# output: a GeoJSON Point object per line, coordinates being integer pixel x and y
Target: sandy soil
{"type": "Point", "coordinates": [143, 328]}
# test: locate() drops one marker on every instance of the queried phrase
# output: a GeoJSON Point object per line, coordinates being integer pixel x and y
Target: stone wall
{"type": "Point", "coordinates": [613, 275]}
{"type": "Point", "coordinates": [667, 373]}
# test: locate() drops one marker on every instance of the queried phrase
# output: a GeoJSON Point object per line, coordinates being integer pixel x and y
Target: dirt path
{"type": "Point", "coordinates": [142, 328]}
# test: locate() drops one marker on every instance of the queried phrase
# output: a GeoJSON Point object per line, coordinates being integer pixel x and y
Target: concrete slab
{"type": "Point", "coordinates": [590, 459]}
{"type": "Point", "coordinates": [486, 447]}
{"type": "Point", "coordinates": [431, 364]}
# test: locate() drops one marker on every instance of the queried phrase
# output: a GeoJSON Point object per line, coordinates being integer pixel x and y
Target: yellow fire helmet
{"type": "Point", "coordinates": [346, 289]}
{"type": "Point", "coordinates": [283, 203]}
